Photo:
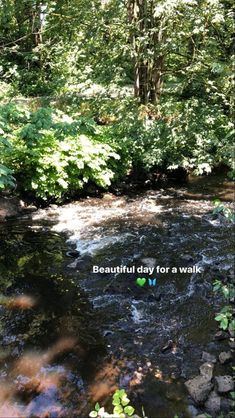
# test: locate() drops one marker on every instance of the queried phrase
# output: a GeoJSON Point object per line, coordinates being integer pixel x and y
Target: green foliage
{"type": "Point", "coordinates": [54, 154]}
{"type": "Point", "coordinates": [176, 55]}
{"type": "Point", "coordinates": [6, 178]}
{"type": "Point", "coordinates": [220, 208]}
{"type": "Point", "coordinates": [225, 316]}
{"type": "Point", "coordinates": [121, 408]}
{"type": "Point", "coordinates": [189, 134]}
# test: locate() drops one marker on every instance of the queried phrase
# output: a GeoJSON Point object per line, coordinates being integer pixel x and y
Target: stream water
{"type": "Point", "coordinates": [69, 336]}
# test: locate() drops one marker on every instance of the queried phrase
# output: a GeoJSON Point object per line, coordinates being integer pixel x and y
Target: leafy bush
{"type": "Point", "coordinates": [225, 211]}
{"type": "Point", "coordinates": [225, 316]}
{"type": "Point", "coordinates": [6, 178]}
{"type": "Point", "coordinates": [189, 134]}
{"type": "Point", "coordinates": [54, 154]}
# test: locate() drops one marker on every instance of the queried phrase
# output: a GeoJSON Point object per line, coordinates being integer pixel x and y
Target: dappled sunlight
{"type": "Point", "coordinates": [7, 407]}
{"type": "Point", "coordinates": [32, 375]}
{"type": "Point", "coordinates": [9, 410]}
{"type": "Point", "coordinates": [158, 374]}
{"type": "Point", "coordinates": [30, 364]}
{"type": "Point", "coordinates": [105, 381]}
{"type": "Point", "coordinates": [21, 302]}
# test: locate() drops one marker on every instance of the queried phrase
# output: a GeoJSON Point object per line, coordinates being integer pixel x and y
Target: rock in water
{"type": "Point", "coordinates": [206, 370]}
{"type": "Point", "coordinates": [169, 345]}
{"type": "Point", "coordinates": [232, 343]}
{"type": "Point", "coordinates": [225, 357]}
{"type": "Point", "coordinates": [220, 335]}
{"type": "Point", "coordinates": [207, 357]}
{"type": "Point", "coordinates": [225, 383]}
{"type": "Point", "coordinates": [199, 388]}
{"type": "Point", "coordinates": [73, 253]}
{"type": "Point", "coordinates": [187, 258]}
{"type": "Point", "coordinates": [213, 403]}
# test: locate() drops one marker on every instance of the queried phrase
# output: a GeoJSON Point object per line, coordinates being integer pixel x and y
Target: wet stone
{"type": "Point", "coordinates": [225, 383]}
{"type": "Point", "coordinates": [207, 357]}
{"type": "Point", "coordinates": [232, 343]}
{"type": "Point", "coordinates": [231, 333]}
{"type": "Point", "coordinates": [213, 403]}
{"type": "Point", "coordinates": [73, 253]}
{"type": "Point", "coordinates": [225, 357]}
{"type": "Point", "coordinates": [227, 405]}
{"type": "Point", "coordinates": [220, 335]}
{"type": "Point", "coordinates": [169, 345]}
{"type": "Point", "coordinates": [192, 410]}
{"type": "Point", "coordinates": [187, 258]}
{"type": "Point", "coordinates": [199, 388]}
{"type": "Point", "coordinates": [206, 370]}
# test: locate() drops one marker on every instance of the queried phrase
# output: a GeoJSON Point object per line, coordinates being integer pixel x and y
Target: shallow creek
{"type": "Point", "coordinates": [69, 336]}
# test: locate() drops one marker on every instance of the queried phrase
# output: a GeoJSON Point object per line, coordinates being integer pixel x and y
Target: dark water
{"type": "Point", "coordinates": [69, 337]}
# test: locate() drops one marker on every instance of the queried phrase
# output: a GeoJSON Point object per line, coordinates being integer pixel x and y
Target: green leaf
{"type": "Point", "coordinates": [121, 392]}
{"type": "Point", "coordinates": [118, 409]}
{"type": "Point", "coordinates": [226, 291]}
{"type": "Point", "coordinates": [224, 323]}
{"type": "Point", "coordinates": [219, 317]}
{"type": "Point", "coordinates": [232, 325]}
{"type": "Point", "coordinates": [232, 394]}
{"type": "Point", "coordinates": [129, 410]}
{"type": "Point", "coordinates": [97, 406]}
{"type": "Point", "coordinates": [125, 400]}
{"type": "Point", "coordinates": [116, 401]}
{"type": "Point", "coordinates": [93, 414]}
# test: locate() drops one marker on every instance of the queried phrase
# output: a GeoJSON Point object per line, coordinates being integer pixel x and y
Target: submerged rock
{"type": "Point", "coordinates": [207, 357]}
{"type": "Point", "coordinates": [73, 253]}
{"type": "Point", "coordinates": [169, 345]}
{"type": "Point", "coordinates": [213, 403]}
{"type": "Point", "coordinates": [199, 388]}
{"type": "Point", "coordinates": [192, 410]}
{"type": "Point", "coordinates": [187, 258]}
{"type": "Point", "coordinates": [220, 335]}
{"type": "Point", "coordinates": [227, 405]}
{"type": "Point", "coordinates": [225, 383]}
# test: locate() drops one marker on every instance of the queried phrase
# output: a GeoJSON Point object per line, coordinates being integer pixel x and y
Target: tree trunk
{"type": "Point", "coordinates": [147, 68]}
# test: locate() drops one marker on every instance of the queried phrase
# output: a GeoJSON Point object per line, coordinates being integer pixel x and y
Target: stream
{"type": "Point", "coordinates": [70, 337]}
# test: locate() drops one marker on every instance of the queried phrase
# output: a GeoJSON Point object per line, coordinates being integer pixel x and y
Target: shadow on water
{"type": "Point", "coordinates": [70, 337]}
{"type": "Point", "coordinates": [48, 330]}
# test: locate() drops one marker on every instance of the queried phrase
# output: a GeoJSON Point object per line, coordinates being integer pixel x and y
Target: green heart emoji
{"type": "Point", "coordinates": [141, 281]}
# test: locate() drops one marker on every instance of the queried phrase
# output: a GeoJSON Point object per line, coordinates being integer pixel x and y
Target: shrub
{"type": "Point", "coordinates": [54, 154]}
